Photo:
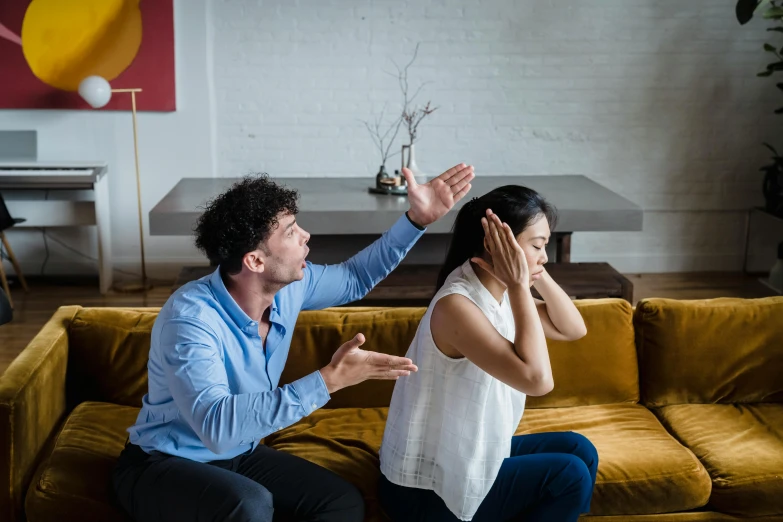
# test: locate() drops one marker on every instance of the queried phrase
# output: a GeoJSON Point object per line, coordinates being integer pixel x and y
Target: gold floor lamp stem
{"type": "Point", "coordinates": [138, 191]}
{"type": "Point", "coordinates": [144, 284]}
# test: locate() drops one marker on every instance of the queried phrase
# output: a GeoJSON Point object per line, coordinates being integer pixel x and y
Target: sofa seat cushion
{"type": "Point", "coordinates": [642, 468]}
{"type": "Point", "coordinates": [345, 441]}
{"type": "Point", "coordinates": [741, 445]}
{"type": "Point", "coordinates": [74, 482]}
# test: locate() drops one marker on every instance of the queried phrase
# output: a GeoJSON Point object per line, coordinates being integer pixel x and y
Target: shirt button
{"type": "Point", "coordinates": [314, 405]}
{"type": "Point", "coordinates": [279, 428]}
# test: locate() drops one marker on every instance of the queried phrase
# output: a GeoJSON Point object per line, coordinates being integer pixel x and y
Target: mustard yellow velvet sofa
{"type": "Point", "coordinates": [682, 399]}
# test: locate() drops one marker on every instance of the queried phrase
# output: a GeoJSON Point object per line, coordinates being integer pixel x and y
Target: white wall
{"type": "Point", "coordinates": [656, 99]}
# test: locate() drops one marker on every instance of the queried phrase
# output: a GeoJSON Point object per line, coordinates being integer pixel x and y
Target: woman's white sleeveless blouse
{"type": "Point", "coordinates": [450, 424]}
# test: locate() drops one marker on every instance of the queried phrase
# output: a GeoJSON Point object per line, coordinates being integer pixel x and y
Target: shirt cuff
{"type": "Point", "coordinates": [418, 227]}
{"type": "Point", "coordinates": [312, 392]}
{"type": "Point", "coordinates": [403, 233]}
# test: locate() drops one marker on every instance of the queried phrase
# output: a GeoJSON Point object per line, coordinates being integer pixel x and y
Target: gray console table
{"type": "Point", "coordinates": [343, 206]}
{"type": "Point", "coordinates": [66, 194]}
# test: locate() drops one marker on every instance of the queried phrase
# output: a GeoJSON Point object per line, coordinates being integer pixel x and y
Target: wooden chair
{"type": "Point", "coordinates": [6, 222]}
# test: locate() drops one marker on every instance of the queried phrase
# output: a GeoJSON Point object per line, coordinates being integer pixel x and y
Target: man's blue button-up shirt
{"type": "Point", "coordinates": [213, 384]}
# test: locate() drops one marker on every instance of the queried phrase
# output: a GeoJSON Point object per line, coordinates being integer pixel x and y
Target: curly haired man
{"type": "Point", "coordinates": [218, 349]}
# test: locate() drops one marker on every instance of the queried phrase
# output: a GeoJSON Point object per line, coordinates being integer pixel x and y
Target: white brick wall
{"type": "Point", "coordinates": [656, 99]}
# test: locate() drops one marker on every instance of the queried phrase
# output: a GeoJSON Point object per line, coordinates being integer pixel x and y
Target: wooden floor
{"type": "Point", "coordinates": [33, 309]}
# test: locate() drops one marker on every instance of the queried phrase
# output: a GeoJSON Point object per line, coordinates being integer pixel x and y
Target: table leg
{"type": "Point", "coordinates": [747, 243]}
{"type": "Point", "coordinates": [102, 213]}
{"type": "Point", "coordinates": [563, 247]}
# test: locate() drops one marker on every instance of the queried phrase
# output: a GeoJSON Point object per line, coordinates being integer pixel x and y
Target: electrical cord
{"type": "Point", "coordinates": [47, 237]}
{"type": "Point", "coordinates": [85, 256]}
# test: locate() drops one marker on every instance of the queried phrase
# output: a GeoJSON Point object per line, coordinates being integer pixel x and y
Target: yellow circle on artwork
{"type": "Point", "coordinates": [64, 41]}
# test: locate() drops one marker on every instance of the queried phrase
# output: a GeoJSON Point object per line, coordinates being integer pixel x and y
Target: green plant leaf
{"type": "Point", "coordinates": [779, 111]}
{"type": "Point", "coordinates": [764, 74]}
{"type": "Point", "coordinates": [777, 29]}
{"type": "Point", "coordinates": [744, 10]}
{"type": "Point", "coordinates": [770, 147]}
{"type": "Point", "coordinates": [770, 48]}
{"type": "Point", "coordinates": [773, 12]}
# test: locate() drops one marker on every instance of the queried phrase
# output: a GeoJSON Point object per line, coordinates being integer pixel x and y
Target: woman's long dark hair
{"type": "Point", "coordinates": [516, 205]}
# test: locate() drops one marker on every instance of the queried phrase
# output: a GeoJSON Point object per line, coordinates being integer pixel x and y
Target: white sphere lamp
{"type": "Point", "coordinates": [96, 91]}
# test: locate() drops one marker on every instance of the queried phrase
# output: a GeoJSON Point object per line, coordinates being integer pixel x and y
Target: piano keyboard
{"type": "Point", "coordinates": [34, 176]}
{"type": "Point", "coordinates": [45, 171]}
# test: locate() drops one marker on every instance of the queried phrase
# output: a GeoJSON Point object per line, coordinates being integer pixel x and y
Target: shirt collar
{"type": "Point", "coordinates": [274, 311]}
{"type": "Point", "coordinates": [476, 283]}
{"type": "Point", "coordinates": [240, 318]}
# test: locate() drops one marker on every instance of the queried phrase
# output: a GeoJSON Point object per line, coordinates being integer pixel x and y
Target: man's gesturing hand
{"type": "Point", "coordinates": [351, 365]}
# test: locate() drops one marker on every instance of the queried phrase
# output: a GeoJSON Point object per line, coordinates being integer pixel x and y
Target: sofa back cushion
{"type": "Point", "coordinates": [109, 349]}
{"type": "Point", "coordinates": [726, 350]}
{"type": "Point", "coordinates": [598, 369]}
{"type": "Point", "coordinates": [318, 334]}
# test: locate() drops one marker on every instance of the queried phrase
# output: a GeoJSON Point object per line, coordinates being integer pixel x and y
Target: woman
{"type": "Point", "coordinates": [449, 450]}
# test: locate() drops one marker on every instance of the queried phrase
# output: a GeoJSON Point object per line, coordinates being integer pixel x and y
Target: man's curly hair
{"type": "Point", "coordinates": [241, 219]}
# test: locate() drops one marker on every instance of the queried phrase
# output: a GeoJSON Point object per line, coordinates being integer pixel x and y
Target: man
{"type": "Point", "coordinates": [218, 349]}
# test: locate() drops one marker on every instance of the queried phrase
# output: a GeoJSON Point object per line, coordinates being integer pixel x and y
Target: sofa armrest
{"type": "Point", "coordinates": [32, 406]}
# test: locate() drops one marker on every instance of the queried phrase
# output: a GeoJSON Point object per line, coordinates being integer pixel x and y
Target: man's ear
{"type": "Point", "coordinates": [254, 261]}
